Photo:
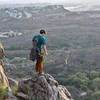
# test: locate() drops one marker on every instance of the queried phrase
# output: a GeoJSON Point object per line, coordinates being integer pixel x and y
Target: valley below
{"type": "Point", "coordinates": [73, 43]}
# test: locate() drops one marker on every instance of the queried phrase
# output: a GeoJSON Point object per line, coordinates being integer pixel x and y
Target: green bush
{"type": "Point", "coordinates": [88, 82]}
{"type": "Point", "coordinates": [93, 74]}
{"type": "Point", "coordinates": [80, 80]}
{"type": "Point", "coordinates": [15, 89]}
{"type": "Point", "coordinates": [83, 87]}
{"type": "Point", "coordinates": [96, 95]}
{"type": "Point", "coordinates": [95, 84]}
{"type": "Point", "coordinates": [2, 91]}
{"type": "Point", "coordinates": [17, 59]}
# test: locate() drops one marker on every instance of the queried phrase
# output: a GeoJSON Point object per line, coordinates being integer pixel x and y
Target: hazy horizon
{"type": "Point", "coordinates": [87, 2]}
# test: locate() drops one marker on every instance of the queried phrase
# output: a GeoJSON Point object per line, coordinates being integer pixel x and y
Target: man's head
{"type": "Point", "coordinates": [42, 32]}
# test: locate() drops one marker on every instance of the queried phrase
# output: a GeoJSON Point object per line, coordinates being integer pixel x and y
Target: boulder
{"type": "Point", "coordinates": [43, 87]}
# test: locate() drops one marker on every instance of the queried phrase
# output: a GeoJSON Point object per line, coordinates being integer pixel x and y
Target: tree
{"type": "Point", "coordinates": [80, 80]}
{"type": "Point", "coordinates": [93, 74]}
{"type": "Point", "coordinates": [95, 84]}
{"type": "Point", "coordinates": [96, 95]}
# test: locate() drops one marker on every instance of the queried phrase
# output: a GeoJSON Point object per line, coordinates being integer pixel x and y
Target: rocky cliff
{"type": "Point", "coordinates": [43, 87]}
{"type": "Point", "coordinates": [3, 79]}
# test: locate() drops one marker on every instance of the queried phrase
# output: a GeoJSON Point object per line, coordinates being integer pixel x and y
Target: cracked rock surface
{"type": "Point", "coordinates": [42, 88]}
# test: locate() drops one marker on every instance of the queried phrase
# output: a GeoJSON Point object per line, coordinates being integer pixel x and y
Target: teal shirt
{"type": "Point", "coordinates": [41, 40]}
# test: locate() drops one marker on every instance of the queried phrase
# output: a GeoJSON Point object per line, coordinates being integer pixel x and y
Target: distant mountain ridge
{"type": "Point", "coordinates": [82, 7]}
{"type": "Point", "coordinates": [29, 11]}
{"type": "Point", "coordinates": [70, 7]}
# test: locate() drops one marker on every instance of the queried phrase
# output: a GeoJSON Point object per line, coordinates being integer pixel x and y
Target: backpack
{"type": "Point", "coordinates": [35, 52]}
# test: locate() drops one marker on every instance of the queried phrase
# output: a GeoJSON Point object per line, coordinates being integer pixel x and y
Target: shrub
{"type": "Point", "coordinates": [2, 91]}
{"type": "Point", "coordinates": [15, 89]}
{"type": "Point", "coordinates": [93, 74]}
{"type": "Point", "coordinates": [96, 95]}
{"type": "Point", "coordinates": [17, 59]}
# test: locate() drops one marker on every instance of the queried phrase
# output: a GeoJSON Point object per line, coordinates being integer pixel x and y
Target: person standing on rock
{"type": "Point", "coordinates": [39, 43]}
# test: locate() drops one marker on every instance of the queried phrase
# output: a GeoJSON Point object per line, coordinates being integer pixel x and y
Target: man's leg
{"type": "Point", "coordinates": [36, 66]}
{"type": "Point", "coordinates": [39, 65]}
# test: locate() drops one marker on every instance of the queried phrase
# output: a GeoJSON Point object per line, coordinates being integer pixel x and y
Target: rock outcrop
{"type": "Point", "coordinates": [43, 87]}
{"type": "Point", "coordinates": [3, 78]}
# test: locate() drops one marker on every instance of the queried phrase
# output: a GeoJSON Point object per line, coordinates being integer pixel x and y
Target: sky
{"type": "Point", "coordinates": [91, 2]}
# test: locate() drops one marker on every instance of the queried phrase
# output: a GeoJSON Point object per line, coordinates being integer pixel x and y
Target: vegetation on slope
{"type": "Point", "coordinates": [86, 82]}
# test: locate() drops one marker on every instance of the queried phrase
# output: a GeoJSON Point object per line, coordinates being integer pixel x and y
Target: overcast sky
{"type": "Point", "coordinates": [91, 2]}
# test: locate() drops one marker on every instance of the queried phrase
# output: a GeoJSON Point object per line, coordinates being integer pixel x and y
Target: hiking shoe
{"type": "Point", "coordinates": [41, 74]}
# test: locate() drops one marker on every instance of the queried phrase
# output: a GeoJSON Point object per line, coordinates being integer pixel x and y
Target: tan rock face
{"type": "Point", "coordinates": [1, 51]}
{"type": "Point", "coordinates": [3, 78]}
{"type": "Point", "coordinates": [42, 88]}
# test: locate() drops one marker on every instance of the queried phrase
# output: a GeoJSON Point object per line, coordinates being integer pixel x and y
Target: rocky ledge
{"type": "Point", "coordinates": [43, 87]}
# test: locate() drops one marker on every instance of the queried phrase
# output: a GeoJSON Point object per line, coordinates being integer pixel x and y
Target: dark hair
{"type": "Point", "coordinates": [42, 31]}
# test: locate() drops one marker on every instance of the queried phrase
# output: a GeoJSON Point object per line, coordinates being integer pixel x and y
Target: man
{"type": "Point", "coordinates": [41, 44]}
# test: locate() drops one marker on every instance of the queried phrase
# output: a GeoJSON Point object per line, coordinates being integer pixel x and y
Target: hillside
{"type": "Point", "coordinates": [76, 32]}
{"type": "Point", "coordinates": [72, 40]}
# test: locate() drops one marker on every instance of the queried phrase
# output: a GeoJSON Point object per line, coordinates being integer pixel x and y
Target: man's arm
{"type": "Point", "coordinates": [45, 50]}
